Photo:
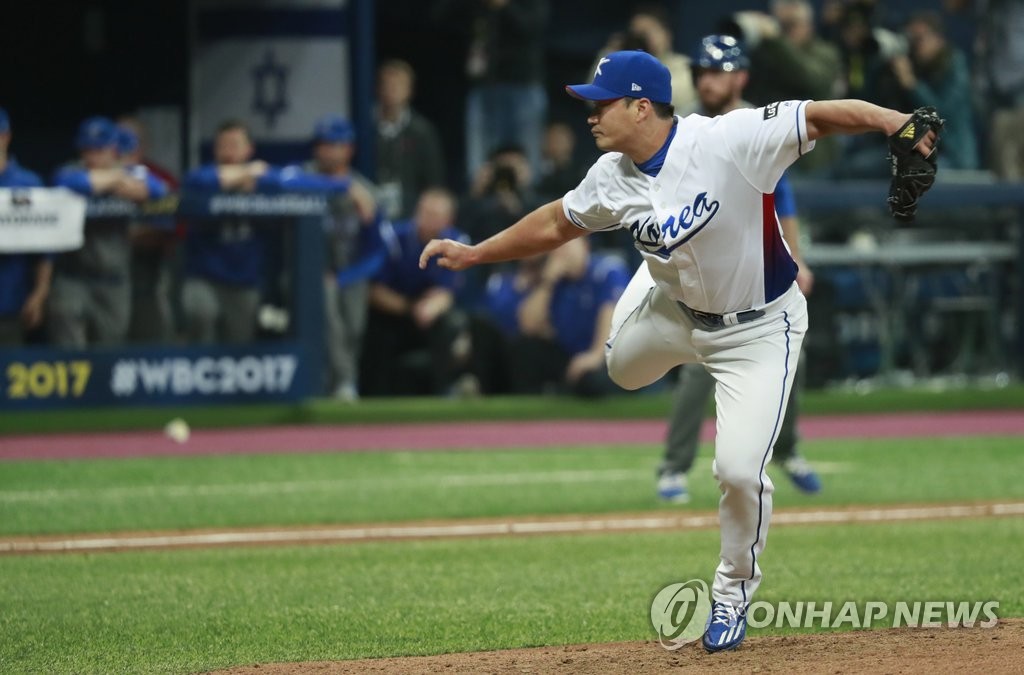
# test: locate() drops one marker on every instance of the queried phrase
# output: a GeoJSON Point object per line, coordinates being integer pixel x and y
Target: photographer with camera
{"type": "Point", "coordinates": [650, 29]}
{"type": "Point", "coordinates": [502, 193]}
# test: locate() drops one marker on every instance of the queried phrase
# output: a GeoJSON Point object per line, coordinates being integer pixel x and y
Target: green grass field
{"type": "Point", "coordinates": [179, 611]}
{"type": "Point", "coordinates": [226, 491]}
{"type": "Point", "coordinates": [186, 611]}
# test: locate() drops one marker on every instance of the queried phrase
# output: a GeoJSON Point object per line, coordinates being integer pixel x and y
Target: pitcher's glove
{"type": "Point", "coordinates": [912, 172]}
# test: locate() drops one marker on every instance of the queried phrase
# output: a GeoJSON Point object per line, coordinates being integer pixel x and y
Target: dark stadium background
{"type": "Point", "coordinates": [64, 60]}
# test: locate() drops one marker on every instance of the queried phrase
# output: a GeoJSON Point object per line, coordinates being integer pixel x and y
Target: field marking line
{"type": "Point", "coordinates": [511, 527]}
{"type": "Point", "coordinates": [267, 488]}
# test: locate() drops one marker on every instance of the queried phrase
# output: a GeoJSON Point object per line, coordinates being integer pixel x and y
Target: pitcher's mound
{"type": "Point", "coordinates": [901, 650]}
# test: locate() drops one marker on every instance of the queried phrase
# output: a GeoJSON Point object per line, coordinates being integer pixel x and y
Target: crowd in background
{"type": "Point", "coordinates": [535, 326]}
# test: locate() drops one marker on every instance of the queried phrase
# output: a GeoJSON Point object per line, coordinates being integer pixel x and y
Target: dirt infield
{"type": "Point", "coordinates": [899, 650]}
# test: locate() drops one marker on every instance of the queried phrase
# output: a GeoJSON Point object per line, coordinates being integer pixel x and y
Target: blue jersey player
{"type": "Point", "coordinates": [91, 298]}
{"type": "Point", "coordinates": [555, 315]}
{"type": "Point", "coordinates": [24, 278]}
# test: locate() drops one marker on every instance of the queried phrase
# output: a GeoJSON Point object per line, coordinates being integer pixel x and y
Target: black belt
{"type": "Point", "coordinates": [709, 320]}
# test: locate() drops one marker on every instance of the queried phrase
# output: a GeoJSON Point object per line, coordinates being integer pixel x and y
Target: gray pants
{"type": "Point", "coordinates": [216, 312]}
{"type": "Point", "coordinates": [696, 387]}
{"type": "Point", "coordinates": [1007, 146]}
{"type": "Point", "coordinates": [151, 297]}
{"type": "Point", "coordinates": [80, 309]}
{"type": "Point", "coordinates": [345, 315]}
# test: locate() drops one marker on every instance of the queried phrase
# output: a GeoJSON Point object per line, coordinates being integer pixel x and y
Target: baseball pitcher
{"type": "Point", "coordinates": [717, 285]}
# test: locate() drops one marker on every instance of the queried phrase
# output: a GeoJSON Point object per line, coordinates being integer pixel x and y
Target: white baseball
{"type": "Point", "coordinates": [177, 430]}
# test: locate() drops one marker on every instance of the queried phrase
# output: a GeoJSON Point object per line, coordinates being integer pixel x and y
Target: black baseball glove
{"type": "Point", "coordinates": [912, 172]}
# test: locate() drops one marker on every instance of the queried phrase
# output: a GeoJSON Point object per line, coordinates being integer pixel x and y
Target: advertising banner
{"type": "Point", "coordinates": [47, 378]}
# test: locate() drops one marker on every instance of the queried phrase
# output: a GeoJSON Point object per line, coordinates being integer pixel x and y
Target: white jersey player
{"type": "Point", "coordinates": [717, 283]}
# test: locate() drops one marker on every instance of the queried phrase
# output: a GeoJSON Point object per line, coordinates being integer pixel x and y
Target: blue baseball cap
{"type": "Point", "coordinates": [127, 140]}
{"type": "Point", "coordinates": [96, 132]}
{"type": "Point", "coordinates": [5, 122]}
{"type": "Point", "coordinates": [333, 129]}
{"type": "Point", "coordinates": [634, 73]}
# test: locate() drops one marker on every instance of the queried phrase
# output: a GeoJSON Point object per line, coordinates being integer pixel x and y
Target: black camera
{"type": "Point", "coordinates": [504, 178]}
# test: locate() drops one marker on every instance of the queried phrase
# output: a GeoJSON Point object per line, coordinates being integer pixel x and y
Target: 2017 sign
{"type": "Point", "coordinates": [44, 379]}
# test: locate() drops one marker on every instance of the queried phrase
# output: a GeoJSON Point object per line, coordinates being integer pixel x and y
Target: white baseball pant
{"type": "Point", "coordinates": [754, 366]}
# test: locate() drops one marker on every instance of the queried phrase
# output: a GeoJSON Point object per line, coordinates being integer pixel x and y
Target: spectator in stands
{"type": "Point", "coordinates": [555, 313]}
{"type": "Point", "coordinates": [867, 52]}
{"type": "Point", "coordinates": [417, 340]}
{"type": "Point", "coordinates": [788, 61]}
{"type": "Point", "coordinates": [90, 302]}
{"type": "Point", "coordinates": [152, 243]}
{"type": "Point", "coordinates": [225, 259]}
{"type": "Point", "coordinates": [24, 278]}
{"type": "Point", "coordinates": [506, 102]}
{"type": "Point", "coordinates": [353, 252]}
{"type": "Point", "coordinates": [935, 73]}
{"type": "Point", "coordinates": [1001, 58]}
{"type": "Point", "coordinates": [650, 29]}
{"type": "Point", "coordinates": [409, 155]}
{"type": "Point", "coordinates": [560, 171]}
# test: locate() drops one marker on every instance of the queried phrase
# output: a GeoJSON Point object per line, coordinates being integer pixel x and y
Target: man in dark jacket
{"type": "Point", "coordinates": [409, 155]}
{"type": "Point", "coordinates": [506, 102]}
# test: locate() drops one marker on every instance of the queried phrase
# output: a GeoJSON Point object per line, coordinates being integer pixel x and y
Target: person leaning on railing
{"type": "Point", "coordinates": [91, 298]}
{"type": "Point", "coordinates": [224, 264]}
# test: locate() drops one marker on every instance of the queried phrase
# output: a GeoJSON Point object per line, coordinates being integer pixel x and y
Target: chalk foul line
{"type": "Point", "coordinates": [507, 527]}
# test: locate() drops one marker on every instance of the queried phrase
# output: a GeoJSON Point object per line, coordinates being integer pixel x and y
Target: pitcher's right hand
{"type": "Point", "coordinates": [450, 254]}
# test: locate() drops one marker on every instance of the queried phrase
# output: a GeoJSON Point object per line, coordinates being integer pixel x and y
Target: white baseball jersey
{"type": "Point", "coordinates": [706, 224]}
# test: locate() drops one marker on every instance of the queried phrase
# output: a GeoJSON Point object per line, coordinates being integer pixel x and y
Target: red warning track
{"type": "Point", "coordinates": [477, 435]}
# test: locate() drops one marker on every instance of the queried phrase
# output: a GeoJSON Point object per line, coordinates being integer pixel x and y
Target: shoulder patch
{"type": "Point", "coordinates": [771, 110]}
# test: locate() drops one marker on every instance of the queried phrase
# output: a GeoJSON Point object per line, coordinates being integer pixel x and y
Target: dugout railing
{"type": "Point", "coordinates": [290, 367]}
{"type": "Point", "coordinates": [285, 368]}
{"type": "Point", "coordinates": [960, 260]}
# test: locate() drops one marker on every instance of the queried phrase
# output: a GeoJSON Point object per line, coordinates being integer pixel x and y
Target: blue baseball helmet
{"type": "Point", "coordinates": [96, 132]}
{"type": "Point", "coordinates": [334, 129]}
{"type": "Point", "coordinates": [127, 140]}
{"type": "Point", "coordinates": [720, 52]}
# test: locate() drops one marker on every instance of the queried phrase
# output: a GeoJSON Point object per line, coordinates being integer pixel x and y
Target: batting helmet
{"type": "Point", "coordinates": [720, 52]}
